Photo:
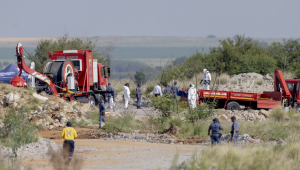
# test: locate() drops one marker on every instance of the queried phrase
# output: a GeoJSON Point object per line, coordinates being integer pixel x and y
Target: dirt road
{"type": "Point", "coordinates": [117, 155]}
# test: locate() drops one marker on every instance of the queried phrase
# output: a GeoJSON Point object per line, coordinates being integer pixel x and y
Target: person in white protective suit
{"type": "Point", "coordinates": [126, 94]}
{"type": "Point", "coordinates": [192, 96]}
{"type": "Point", "coordinates": [206, 78]}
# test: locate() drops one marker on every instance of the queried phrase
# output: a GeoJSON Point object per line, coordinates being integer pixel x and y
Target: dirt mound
{"type": "Point", "coordinates": [248, 82]}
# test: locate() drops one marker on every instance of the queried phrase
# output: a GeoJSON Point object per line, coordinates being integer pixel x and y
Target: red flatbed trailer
{"type": "Point", "coordinates": [286, 92]}
{"type": "Point", "coordinates": [232, 100]}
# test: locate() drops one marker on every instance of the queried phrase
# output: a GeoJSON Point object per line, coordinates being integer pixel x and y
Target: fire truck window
{"type": "Point", "coordinates": [76, 64]}
{"type": "Point", "coordinates": [290, 86]}
{"type": "Point", "coordinates": [102, 72]}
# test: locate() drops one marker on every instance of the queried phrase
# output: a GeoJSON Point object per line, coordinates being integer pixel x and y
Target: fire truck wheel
{"type": "Point", "coordinates": [92, 101]}
{"type": "Point", "coordinates": [233, 106]}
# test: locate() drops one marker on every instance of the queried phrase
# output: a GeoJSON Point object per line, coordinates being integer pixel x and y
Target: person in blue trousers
{"type": "Point", "coordinates": [102, 112]}
{"type": "Point", "coordinates": [215, 127]}
{"type": "Point", "coordinates": [234, 130]}
{"type": "Point", "coordinates": [138, 96]}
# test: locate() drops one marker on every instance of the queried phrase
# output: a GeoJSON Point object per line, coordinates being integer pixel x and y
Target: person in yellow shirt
{"type": "Point", "coordinates": [69, 134]}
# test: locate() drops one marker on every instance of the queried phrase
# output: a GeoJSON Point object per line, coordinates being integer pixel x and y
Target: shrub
{"type": "Point", "coordinates": [17, 130]}
{"type": "Point", "coordinates": [165, 105]}
{"type": "Point", "coordinates": [201, 112]}
{"type": "Point", "coordinates": [149, 89]}
{"type": "Point", "coordinates": [278, 114]}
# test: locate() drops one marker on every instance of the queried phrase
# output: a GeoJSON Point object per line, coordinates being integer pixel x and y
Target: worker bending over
{"type": "Point", "coordinates": [206, 78]}
{"type": "Point", "coordinates": [69, 134]}
{"type": "Point", "coordinates": [126, 94]}
{"type": "Point", "coordinates": [192, 96]}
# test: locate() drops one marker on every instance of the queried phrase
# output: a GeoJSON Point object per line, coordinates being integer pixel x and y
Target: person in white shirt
{"type": "Point", "coordinates": [157, 90]}
{"type": "Point", "coordinates": [192, 96]}
{"type": "Point", "coordinates": [206, 78]}
{"type": "Point", "coordinates": [126, 94]}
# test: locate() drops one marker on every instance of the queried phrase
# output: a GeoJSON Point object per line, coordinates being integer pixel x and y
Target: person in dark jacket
{"type": "Point", "coordinates": [175, 90]}
{"type": "Point", "coordinates": [102, 112]}
{"type": "Point", "coordinates": [215, 127]}
{"type": "Point", "coordinates": [138, 96]}
{"type": "Point", "coordinates": [168, 90]}
{"type": "Point", "coordinates": [109, 89]}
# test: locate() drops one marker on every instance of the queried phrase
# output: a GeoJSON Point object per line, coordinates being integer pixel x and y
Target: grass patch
{"type": "Point", "coordinates": [94, 116]}
{"type": "Point", "coordinates": [259, 82]}
{"type": "Point", "coordinates": [34, 107]}
{"type": "Point", "coordinates": [3, 87]}
{"type": "Point", "coordinates": [78, 123]}
{"type": "Point", "coordinates": [35, 100]}
{"type": "Point", "coordinates": [234, 82]}
{"type": "Point", "coordinates": [250, 157]}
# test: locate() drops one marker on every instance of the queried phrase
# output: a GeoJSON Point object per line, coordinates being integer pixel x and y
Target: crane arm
{"type": "Point", "coordinates": [279, 79]}
{"type": "Point", "coordinates": [22, 66]}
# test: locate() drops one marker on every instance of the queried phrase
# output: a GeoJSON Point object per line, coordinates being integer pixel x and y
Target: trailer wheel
{"type": "Point", "coordinates": [92, 101]}
{"type": "Point", "coordinates": [233, 106]}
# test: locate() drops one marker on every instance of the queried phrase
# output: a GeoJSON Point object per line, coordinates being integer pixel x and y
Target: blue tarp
{"type": "Point", "coordinates": [10, 72]}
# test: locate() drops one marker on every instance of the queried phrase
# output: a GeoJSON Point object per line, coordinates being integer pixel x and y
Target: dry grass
{"type": "Point", "coordinates": [288, 75]}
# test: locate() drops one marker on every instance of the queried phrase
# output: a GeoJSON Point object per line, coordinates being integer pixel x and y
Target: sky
{"type": "Point", "coordinates": [183, 18]}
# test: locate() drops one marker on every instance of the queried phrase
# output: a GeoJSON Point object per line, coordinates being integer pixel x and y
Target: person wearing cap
{"type": "Point", "coordinates": [69, 134]}
{"type": "Point", "coordinates": [102, 112]}
{"type": "Point", "coordinates": [157, 90]}
{"type": "Point", "coordinates": [126, 94]}
{"type": "Point", "coordinates": [175, 90]}
{"type": "Point", "coordinates": [234, 130]}
{"type": "Point", "coordinates": [138, 96]}
{"type": "Point", "coordinates": [206, 78]}
{"type": "Point", "coordinates": [215, 127]}
{"type": "Point", "coordinates": [109, 91]}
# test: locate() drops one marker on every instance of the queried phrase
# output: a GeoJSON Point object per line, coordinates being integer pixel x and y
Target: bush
{"type": "Point", "coordinates": [201, 112]}
{"type": "Point", "coordinates": [165, 105]}
{"type": "Point", "coordinates": [17, 130]}
{"type": "Point", "coordinates": [149, 89]}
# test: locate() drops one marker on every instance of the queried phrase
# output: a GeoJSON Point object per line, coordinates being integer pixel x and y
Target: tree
{"type": "Point", "coordinates": [140, 77]}
{"type": "Point", "coordinates": [66, 43]}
